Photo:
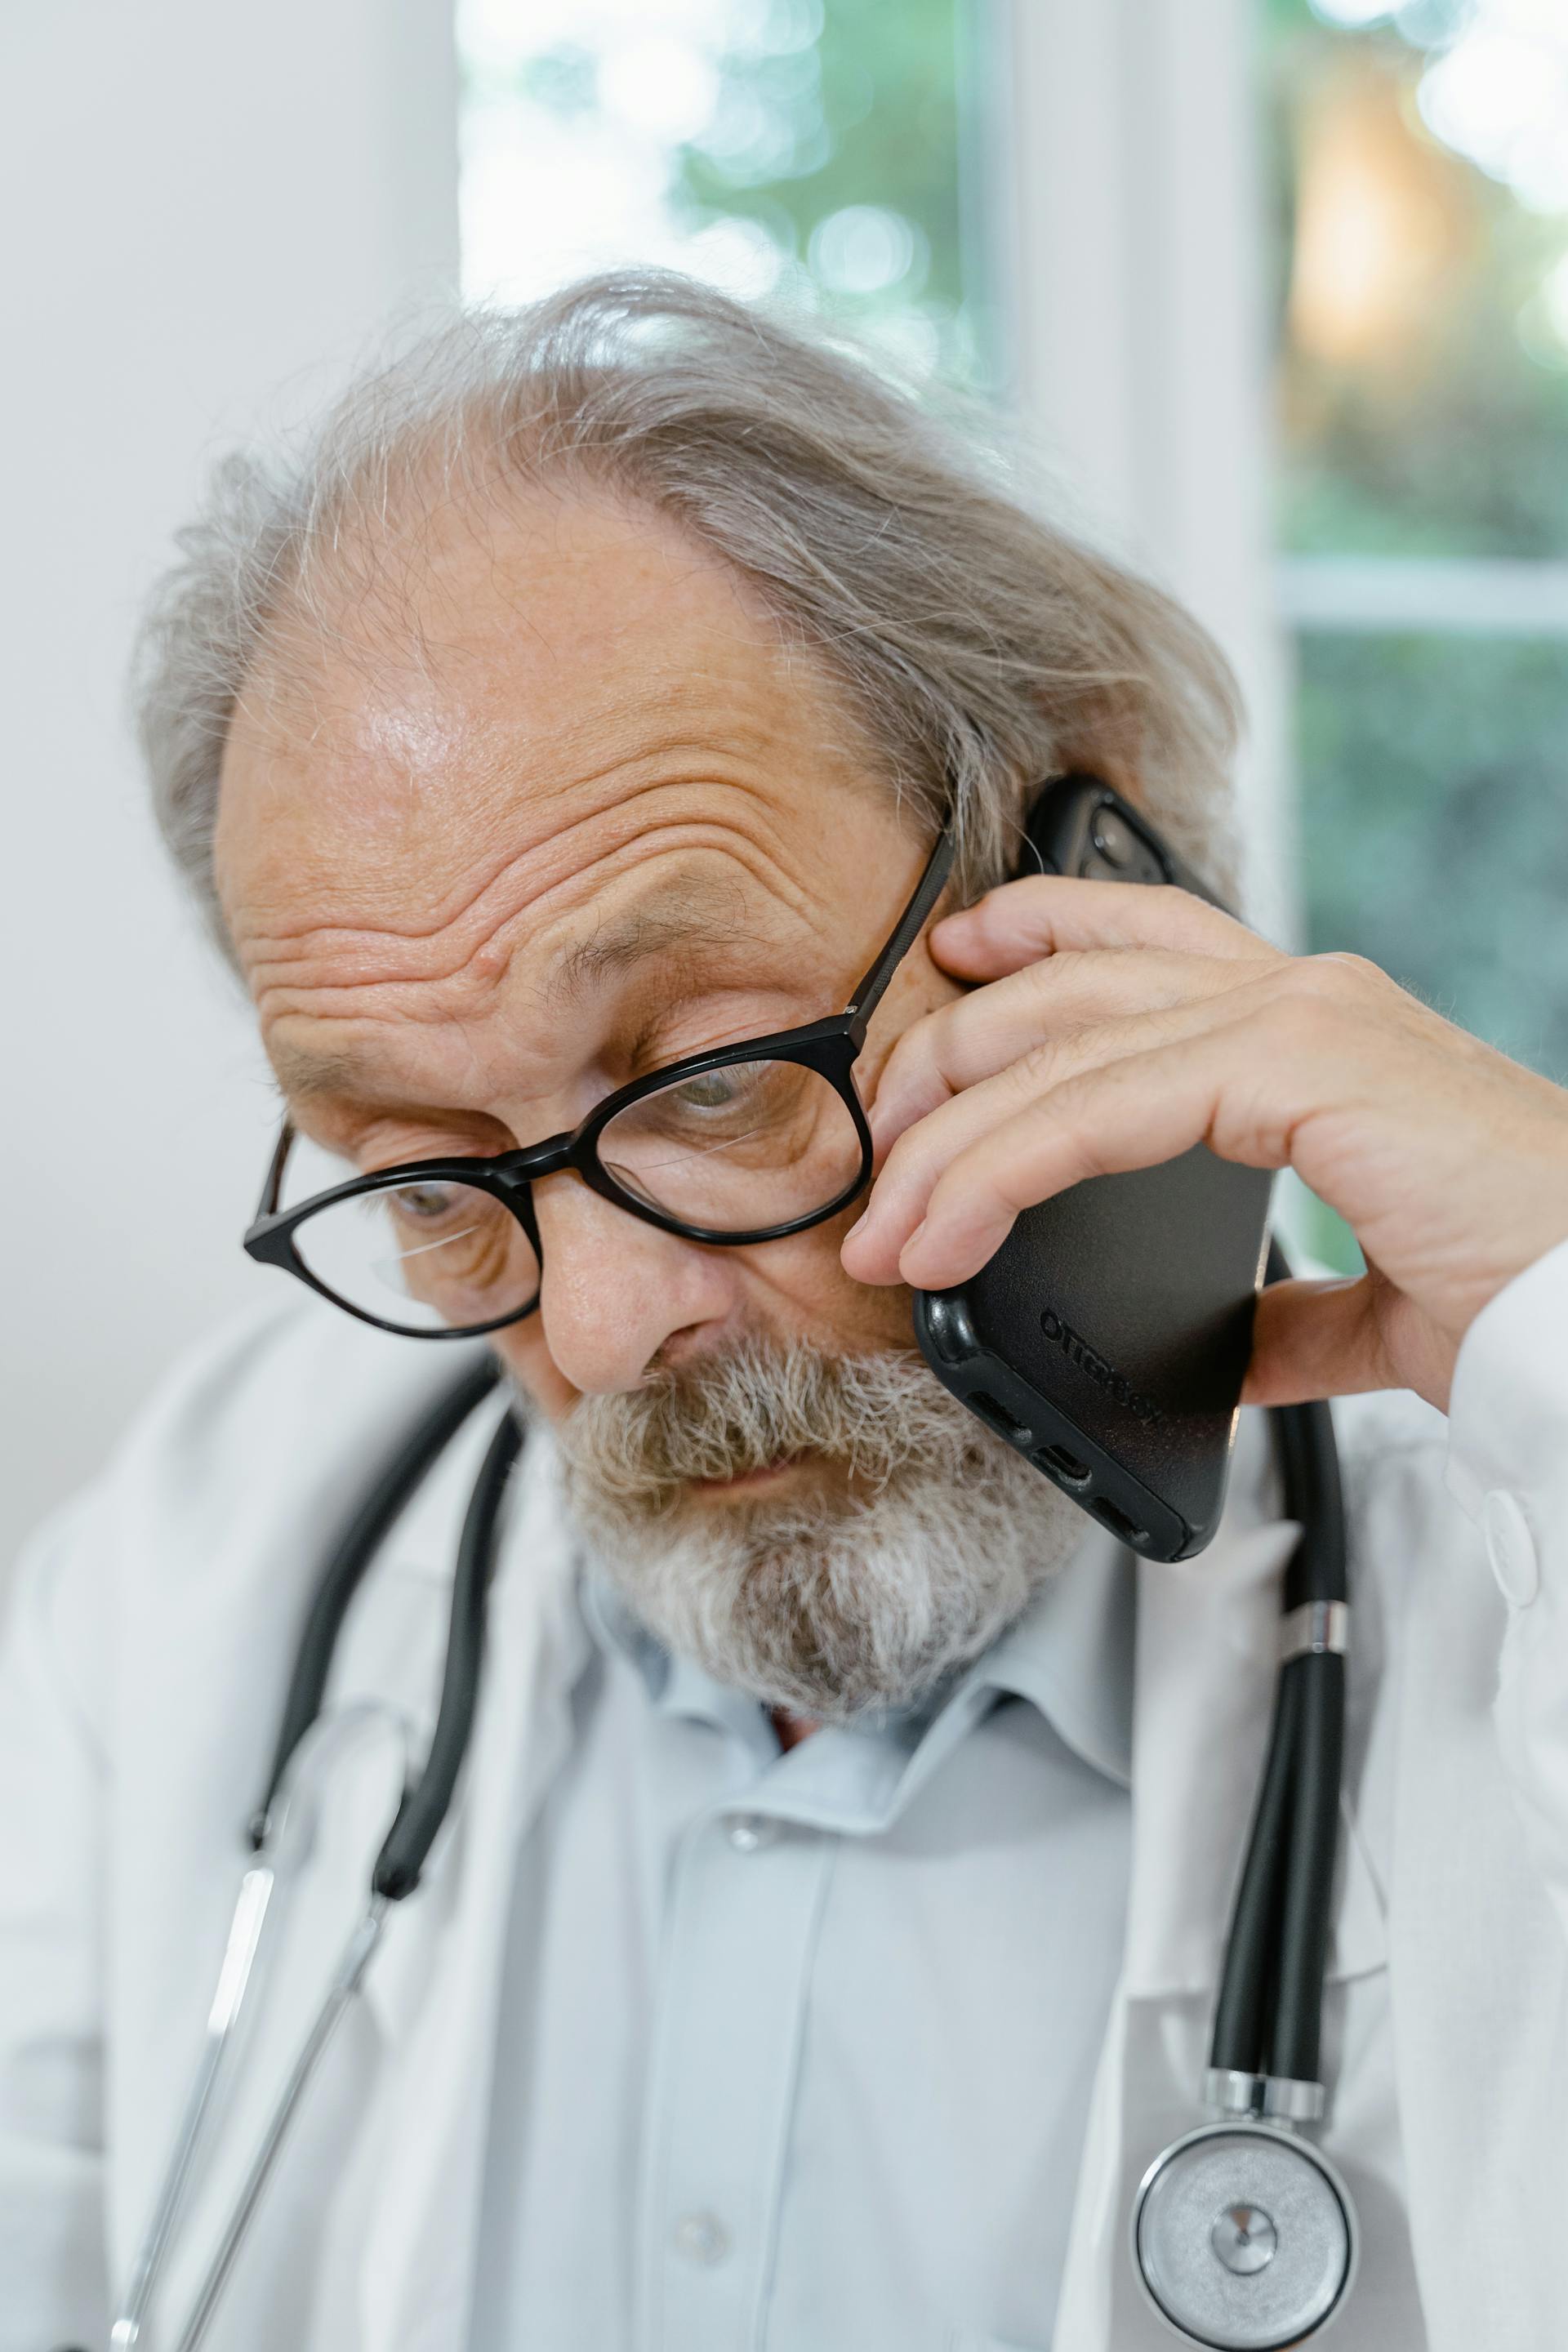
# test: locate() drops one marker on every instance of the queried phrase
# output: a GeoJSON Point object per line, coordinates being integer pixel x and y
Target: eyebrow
{"type": "Point", "coordinates": [687, 919]}
{"type": "Point", "coordinates": [304, 1076]}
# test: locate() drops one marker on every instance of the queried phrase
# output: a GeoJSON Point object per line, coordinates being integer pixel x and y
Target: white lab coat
{"type": "Point", "coordinates": [153, 1631]}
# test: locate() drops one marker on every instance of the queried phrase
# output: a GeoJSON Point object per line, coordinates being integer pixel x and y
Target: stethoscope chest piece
{"type": "Point", "coordinates": [1244, 2237]}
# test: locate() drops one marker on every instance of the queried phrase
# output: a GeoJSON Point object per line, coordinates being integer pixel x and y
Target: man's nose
{"type": "Point", "coordinates": [613, 1290]}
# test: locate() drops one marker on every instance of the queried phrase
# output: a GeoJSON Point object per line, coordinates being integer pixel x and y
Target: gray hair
{"type": "Point", "coordinates": [983, 648]}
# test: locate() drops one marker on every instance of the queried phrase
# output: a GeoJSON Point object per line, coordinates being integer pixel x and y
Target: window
{"type": "Point", "coordinates": [1415, 214]}
{"type": "Point", "coordinates": [804, 148]}
{"type": "Point", "coordinates": [1420, 163]}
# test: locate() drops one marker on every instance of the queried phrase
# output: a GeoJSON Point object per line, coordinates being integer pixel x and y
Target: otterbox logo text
{"type": "Point", "coordinates": [1104, 1376]}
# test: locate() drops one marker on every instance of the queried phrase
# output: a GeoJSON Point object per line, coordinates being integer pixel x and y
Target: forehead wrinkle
{"type": "Point", "coordinates": [674, 764]}
{"type": "Point", "coordinates": [479, 937]}
{"type": "Point", "coordinates": [476, 986]}
{"type": "Point", "coordinates": [499, 765]}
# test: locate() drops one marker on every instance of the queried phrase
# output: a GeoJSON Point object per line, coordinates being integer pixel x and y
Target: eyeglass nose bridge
{"type": "Point", "coordinates": [527, 1165]}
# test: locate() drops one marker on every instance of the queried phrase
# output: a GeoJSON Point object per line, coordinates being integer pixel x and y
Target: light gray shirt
{"type": "Point", "coordinates": [796, 2047]}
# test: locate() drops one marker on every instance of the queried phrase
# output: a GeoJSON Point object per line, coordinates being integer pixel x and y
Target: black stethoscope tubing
{"type": "Point", "coordinates": [1269, 2009]}
{"type": "Point", "coordinates": [1268, 2014]}
{"type": "Point", "coordinates": [404, 1471]}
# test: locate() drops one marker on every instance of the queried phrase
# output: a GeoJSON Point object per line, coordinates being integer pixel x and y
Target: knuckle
{"type": "Point", "coordinates": [908, 1157]}
{"type": "Point", "coordinates": [1033, 1071]}
{"type": "Point", "coordinates": [1335, 975]}
{"type": "Point", "coordinates": [902, 1059]}
{"type": "Point", "coordinates": [1304, 1015]}
{"type": "Point", "coordinates": [1179, 909]}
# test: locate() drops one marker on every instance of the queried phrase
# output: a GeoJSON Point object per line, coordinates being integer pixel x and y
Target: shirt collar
{"type": "Point", "coordinates": [1070, 1655]}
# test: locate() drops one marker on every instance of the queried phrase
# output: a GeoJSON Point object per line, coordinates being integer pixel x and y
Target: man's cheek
{"type": "Point", "coordinates": [812, 1295]}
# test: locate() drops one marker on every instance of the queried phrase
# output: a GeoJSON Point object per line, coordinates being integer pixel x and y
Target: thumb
{"type": "Point", "coordinates": [1319, 1339]}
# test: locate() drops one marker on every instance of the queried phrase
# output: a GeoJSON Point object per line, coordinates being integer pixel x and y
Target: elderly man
{"type": "Point", "coordinates": [823, 1937]}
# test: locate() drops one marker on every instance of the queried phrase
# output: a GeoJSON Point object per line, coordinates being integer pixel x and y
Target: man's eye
{"type": "Point", "coordinates": [711, 1090]}
{"type": "Point", "coordinates": [424, 1203]}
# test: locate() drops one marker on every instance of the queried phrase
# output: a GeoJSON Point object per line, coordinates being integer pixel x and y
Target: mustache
{"type": "Point", "coordinates": [759, 1403]}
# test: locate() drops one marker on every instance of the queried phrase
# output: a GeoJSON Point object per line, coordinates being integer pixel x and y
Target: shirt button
{"type": "Point", "coordinates": [700, 2237]}
{"type": "Point", "coordinates": [1511, 1547]}
{"type": "Point", "coordinates": [749, 1833]}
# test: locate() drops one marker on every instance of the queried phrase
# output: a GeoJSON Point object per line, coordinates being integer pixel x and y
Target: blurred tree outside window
{"type": "Point", "coordinates": [1419, 178]}
{"type": "Point", "coordinates": [806, 150]}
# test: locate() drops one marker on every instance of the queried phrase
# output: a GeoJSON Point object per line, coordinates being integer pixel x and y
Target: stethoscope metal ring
{"type": "Point", "coordinates": [1244, 2237]}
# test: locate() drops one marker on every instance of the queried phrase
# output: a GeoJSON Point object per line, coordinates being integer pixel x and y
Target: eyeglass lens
{"type": "Point", "coordinates": [740, 1149]}
{"type": "Point", "coordinates": [427, 1256]}
{"type": "Point", "coordinates": [736, 1150]}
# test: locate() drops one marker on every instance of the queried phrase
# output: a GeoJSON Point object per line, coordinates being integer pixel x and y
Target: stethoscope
{"type": "Point", "coordinates": [1244, 2235]}
{"type": "Point", "coordinates": [278, 1831]}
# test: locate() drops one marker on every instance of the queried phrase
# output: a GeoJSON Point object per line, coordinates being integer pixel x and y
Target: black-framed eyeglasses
{"type": "Point", "coordinates": [744, 1143]}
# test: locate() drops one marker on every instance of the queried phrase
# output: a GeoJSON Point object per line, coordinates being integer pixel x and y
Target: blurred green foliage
{"type": "Point", "coordinates": [1433, 824]}
{"type": "Point", "coordinates": [868, 112]}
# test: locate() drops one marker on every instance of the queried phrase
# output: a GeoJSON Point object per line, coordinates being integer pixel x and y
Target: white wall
{"type": "Point", "coordinates": [203, 204]}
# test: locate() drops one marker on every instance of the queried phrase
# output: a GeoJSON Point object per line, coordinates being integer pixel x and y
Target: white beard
{"type": "Point", "coordinates": [829, 1608]}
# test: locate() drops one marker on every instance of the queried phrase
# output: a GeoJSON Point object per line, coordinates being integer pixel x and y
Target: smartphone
{"type": "Point", "coordinates": [1109, 1337]}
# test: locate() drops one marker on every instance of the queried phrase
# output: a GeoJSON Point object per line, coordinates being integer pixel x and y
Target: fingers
{"type": "Point", "coordinates": [1012, 1132]}
{"type": "Point", "coordinates": [1130, 1113]}
{"type": "Point", "coordinates": [1043, 913]}
{"type": "Point", "coordinates": [978, 1035]}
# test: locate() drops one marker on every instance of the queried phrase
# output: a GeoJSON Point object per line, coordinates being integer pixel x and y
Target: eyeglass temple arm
{"type": "Point", "coordinates": [928, 891]}
{"type": "Point", "coordinates": [273, 1186]}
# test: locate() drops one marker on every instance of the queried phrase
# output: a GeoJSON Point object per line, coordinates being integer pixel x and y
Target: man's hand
{"type": "Point", "coordinates": [1121, 1026]}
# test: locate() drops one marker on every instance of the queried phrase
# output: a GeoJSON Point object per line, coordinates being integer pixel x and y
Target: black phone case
{"type": "Point", "coordinates": [1109, 1337]}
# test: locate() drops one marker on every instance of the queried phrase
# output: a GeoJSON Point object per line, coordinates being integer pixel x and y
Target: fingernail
{"type": "Point", "coordinates": [860, 1220]}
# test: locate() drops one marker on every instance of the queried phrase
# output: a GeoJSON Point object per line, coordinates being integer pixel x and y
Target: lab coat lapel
{"type": "Point", "coordinates": [1485, 2153]}
{"type": "Point", "coordinates": [439, 1997]}
{"type": "Point", "coordinates": [394, 2121]}
{"type": "Point", "coordinates": [319, 1895]}
{"type": "Point", "coordinates": [1203, 1678]}
{"type": "Point", "coordinates": [1207, 1631]}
